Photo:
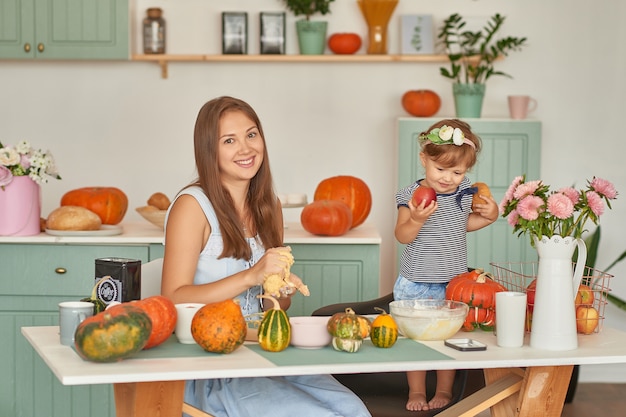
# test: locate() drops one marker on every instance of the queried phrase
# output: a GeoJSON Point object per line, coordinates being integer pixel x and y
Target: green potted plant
{"type": "Point", "coordinates": [311, 34]}
{"type": "Point", "coordinates": [472, 56]}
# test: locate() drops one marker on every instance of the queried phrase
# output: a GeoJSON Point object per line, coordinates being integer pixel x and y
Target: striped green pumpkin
{"type": "Point", "coordinates": [384, 331]}
{"type": "Point", "coordinates": [274, 331]}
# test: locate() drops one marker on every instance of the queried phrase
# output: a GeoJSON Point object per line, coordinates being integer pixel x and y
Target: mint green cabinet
{"type": "Point", "coordinates": [61, 29]}
{"type": "Point", "coordinates": [510, 148]}
{"type": "Point", "coordinates": [34, 278]}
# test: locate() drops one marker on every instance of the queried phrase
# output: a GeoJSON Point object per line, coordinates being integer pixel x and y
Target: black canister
{"type": "Point", "coordinates": [154, 32]}
{"type": "Point", "coordinates": [118, 279]}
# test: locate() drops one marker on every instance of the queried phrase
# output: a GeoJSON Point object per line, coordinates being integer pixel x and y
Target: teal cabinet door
{"type": "Point", "coordinates": [509, 148]}
{"type": "Point", "coordinates": [58, 29]}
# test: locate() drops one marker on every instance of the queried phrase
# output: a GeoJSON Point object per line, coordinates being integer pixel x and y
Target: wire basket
{"type": "Point", "coordinates": [517, 276]}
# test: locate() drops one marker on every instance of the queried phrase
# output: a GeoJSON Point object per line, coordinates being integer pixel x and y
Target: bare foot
{"type": "Point", "coordinates": [417, 402]}
{"type": "Point", "coordinates": [440, 400]}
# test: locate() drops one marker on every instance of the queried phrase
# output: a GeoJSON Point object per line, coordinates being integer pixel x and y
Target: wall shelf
{"type": "Point", "coordinates": [164, 60]}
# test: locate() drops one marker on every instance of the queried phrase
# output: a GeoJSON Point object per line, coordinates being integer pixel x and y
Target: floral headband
{"type": "Point", "coordinates": [446, 135]}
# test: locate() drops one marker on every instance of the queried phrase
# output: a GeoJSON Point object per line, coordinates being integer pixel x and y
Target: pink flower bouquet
{"type": "Point", "coordinates": [530, 207]}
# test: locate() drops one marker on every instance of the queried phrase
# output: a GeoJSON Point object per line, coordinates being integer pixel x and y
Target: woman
{"type": "Point", "coordinates": [224, 234]}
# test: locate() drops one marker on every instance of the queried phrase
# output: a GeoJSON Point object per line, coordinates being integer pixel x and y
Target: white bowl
{"type": "Point", "coordinates": [428, 319]}
{"type": "Point", "coordinates": [309, 332]}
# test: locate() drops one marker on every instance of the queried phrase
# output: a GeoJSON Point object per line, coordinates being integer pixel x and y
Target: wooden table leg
{"type": "Point", "coordinates": [506, 406]}
{"type": "Point", "coordinates": [155, 399]}
{"type": "Point", "coordinates": [543, 391]}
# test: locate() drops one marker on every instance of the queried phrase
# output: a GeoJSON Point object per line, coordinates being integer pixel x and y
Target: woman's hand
{"type": "Point", "coordinates": [274, 261]}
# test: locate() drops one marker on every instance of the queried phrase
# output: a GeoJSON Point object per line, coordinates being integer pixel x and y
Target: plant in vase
{"type": "Point", "coordinates": [22, 159]}
{"type": "Point", "coordinates": [311, 34]}
{"type": "Point", "coordinates": [472, 55]}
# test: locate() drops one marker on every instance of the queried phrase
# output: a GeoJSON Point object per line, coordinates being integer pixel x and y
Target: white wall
{"type": "Point", "coordinates": [120, 124]}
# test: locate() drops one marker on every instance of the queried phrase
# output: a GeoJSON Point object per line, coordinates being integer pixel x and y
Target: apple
{"type": "Point", "coordinates": [530, 295]}
{"type": "Point", "coordinates": [587, 319]}
{"type": "Point", "coordinates": [424, 193]}
{"type": "Point", "coordinates": [584, 296]}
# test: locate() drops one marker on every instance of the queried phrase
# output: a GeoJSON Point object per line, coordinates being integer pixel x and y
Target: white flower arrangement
{"type": "Point", "coordinates": [22, 159]}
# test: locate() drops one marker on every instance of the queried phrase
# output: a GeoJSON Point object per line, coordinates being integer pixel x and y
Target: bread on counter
{"type": "Point", "coordinates": [73, 218]}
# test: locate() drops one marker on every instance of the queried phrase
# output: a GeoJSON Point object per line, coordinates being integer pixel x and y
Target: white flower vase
{"type": "Point", "coordinates": [20, 207]}
{"type": "Point", "coordinates": [554, 315]}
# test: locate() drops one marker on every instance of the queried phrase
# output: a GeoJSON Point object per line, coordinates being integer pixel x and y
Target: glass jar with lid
{"type": "Point", "coordinates": [154, 32]}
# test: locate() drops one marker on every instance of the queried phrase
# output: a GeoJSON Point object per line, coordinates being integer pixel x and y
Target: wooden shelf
{"type": "Point", "coordinates": [164, 60]}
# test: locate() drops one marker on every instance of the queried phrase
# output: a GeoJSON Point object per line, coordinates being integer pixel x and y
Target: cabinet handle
{"type": "Point", "coordinates": [60, 270]}
{"type": "Point", "coordinates": [27, 47]}
{"type": "Point", "coordinates": [40, 47]}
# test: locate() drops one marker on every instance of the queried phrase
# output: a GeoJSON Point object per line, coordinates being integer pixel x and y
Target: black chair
{"type": "Point", "coordinates": [385, 394]}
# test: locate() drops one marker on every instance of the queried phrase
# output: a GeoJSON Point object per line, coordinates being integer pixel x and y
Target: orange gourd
{"type": "Point", "coordinates": [109, 203]}
{"type": "Point", "coordinates": [350, 190]}
{"type": "Point", "coordinates": [163, 315]}
{"type": "Point", "coordinates": [326, 217]}
{"type": "Point", "coordinates": [219, 327]}
{"type": "Point", "coordinates": [421, 103]}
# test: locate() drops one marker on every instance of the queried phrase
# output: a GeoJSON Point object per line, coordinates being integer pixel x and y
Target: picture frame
{"type": "Point", "coordinates": [234, 33]}
{"type": "Point", "coordinates": [272, 28]}
{"type": "Point", "coordinates": [417, 35]}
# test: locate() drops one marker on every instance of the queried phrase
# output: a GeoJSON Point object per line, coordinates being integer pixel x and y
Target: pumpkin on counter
{"type": "Point", "coordinates": [275, 330]}
{"type": "Point", "coordinates": [109, 203]}
{"type": "Point", "coordinates": [326, 218]}
{"type": "Point", "coordinates": [421, 103]}
{"type": "Point", "coordinates": [219, 327]}
{"type": "Point", "coordinates": [163, 315]}
{"type": "Point", "coordinates": [478, 290]}
{"type": "Point", "coordinates": [114, 334]}
{"type": "Point", "coordinates": [350, 190]}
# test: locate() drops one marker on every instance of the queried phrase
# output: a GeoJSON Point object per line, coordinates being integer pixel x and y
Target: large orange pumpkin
{"type": "Point", "coordinates": [421, 103]}
{"type": "Point", "coordinates": [219, 327]}
{"type": "Point", "coordinates": [109, 203]}
{"type": "Point", "coordinates": [163, 315]}
{"type": "Point", "coordinates": [350, 190]}
{"type": "Point", "coordinates": [326, 217]}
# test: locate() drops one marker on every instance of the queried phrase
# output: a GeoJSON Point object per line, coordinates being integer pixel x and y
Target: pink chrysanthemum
{"type": "Point", "coordinates": [508, 196]}
{"type": "Point", "coordinates": [526, 189]}
{"type": "Point", "coordinates": [604, 187]}
{"type": "Point", "coordinates": [571, 193]}
{"type": "Point", "coordinates": [596, 204]}
{"type": "Point", "coordinates": [560, 206]}
{"type": "Point", "coordinates": [530, 207]}
{"type": "Point", "coordinates": [512, 218]}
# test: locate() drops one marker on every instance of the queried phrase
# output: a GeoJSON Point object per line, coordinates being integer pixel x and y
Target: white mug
{"type": "Point", "coordinates": [71, 314]}
{"type": "Point", "coordinates": [520, 106]}
{"type": "Point", "coordinates": [510, 318]}
{"type": "Point", "coordinates": [185, 311]}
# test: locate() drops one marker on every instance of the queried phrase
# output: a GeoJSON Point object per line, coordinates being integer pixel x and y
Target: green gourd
{"type": "Point", "coordinates": [274, 333]}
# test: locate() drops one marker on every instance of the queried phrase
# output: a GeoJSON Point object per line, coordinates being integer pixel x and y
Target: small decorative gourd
{"type": "Point", "coordinates": [384, 331]}
{"type": "Point", "coordinates": [345, 328]}
{"type": "Point", "coordinates": [274, 332]}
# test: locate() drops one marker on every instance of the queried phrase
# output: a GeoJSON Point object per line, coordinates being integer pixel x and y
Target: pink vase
{"type": "Point", "coordinates": [20, 208]}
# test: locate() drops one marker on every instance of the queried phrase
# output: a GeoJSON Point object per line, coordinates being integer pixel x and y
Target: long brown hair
{"type": "Point", "coordinates": [261, 199]}
{"type": "Point", "coordinates": [450, 155]}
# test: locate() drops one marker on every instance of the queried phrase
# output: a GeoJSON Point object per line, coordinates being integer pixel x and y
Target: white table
{"type": "Point", "coordinates": [157, 383]}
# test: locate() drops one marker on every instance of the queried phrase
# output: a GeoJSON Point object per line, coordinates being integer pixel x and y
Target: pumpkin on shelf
{"type": "Point", "coordinates": [163, 315]}
{"type": "Point", "coordinates": [219, 327]}
{"type": "Point", "coordinates": [346, 330]}
{"type": "Point", "coordinates": [384, 332]}
{"type": "Point", "coordinates": [109, 203]}
{"type": "Point", "coordinates": [478, 290]}
{"type": "Point", "coordinates": [114, 334]}
{"type": "Point", "coordinates": [274, 332]}
{"type": "Point", "coordinates": [421, 103]}
{"type": "Point", "coordinates": [350, 190]}
{"type": "Point", "coordinates": [326, 218]}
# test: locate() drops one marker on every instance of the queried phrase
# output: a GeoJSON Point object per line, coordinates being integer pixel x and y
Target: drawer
{"type": "Point", "coordinates": [29, 269]}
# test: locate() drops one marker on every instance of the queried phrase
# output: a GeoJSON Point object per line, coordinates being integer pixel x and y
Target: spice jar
{"type": "Point", "coordinates": [154, 32]}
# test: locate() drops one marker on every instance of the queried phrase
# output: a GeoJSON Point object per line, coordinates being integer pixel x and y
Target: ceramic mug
{"type": "Point", "coordinates": [71, 314]}
{"type": "Point", "coordinates": [520, 106]}
{"type": "Point", "coordinates": [185, 312]}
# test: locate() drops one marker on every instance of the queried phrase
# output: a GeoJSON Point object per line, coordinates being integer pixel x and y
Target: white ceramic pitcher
{"type": "Point", "coordinates": [554, 315]}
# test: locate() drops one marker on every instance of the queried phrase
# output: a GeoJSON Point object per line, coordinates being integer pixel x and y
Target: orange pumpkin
{"type": "Point", "coordinates": [219, 327]}
{"type": "Point", "coordinates": [162, 313]}
{"type": "Point", "coordinates": [109, 203]}
{"type": "Point", "coordinates": [421, 103]}
{"type": "Point", "coordinates": [350, 190]}
{"type": "Point", "coordinates": [344, 43]}
{"type": "Point", "coordinates": [326, 217]}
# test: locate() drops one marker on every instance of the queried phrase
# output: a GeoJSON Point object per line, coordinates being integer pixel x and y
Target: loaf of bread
{"type": "Point", "coordinates": [483, 190]}
{"type": "Point", "coordinates": [73, 218]}
{"type": "Point", "coordinates": [159, 200]}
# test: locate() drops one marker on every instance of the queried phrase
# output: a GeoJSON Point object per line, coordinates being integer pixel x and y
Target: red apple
{"type": "Point", "coordinates": [584, 296]}
{"type": "Point", "coordinates": [530, 295]}
{"type": "Point", "coordinates": [424, 193]}
{"type": "Point", "coordinates": [587, 319]}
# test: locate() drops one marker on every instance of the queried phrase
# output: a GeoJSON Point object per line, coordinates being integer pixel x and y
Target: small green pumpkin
{"type": "Point", "coordinates": [384, 331]}
{"type": "Point", "coordinates": [113, 334]}
{"type": "Point", "coordinates": [346, 325]}
{"type": "Point", "coordinates": [274, 332]}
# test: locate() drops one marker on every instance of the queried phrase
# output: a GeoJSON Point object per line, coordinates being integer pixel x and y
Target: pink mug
{"type": "Point", "coordinates": [520, 106]}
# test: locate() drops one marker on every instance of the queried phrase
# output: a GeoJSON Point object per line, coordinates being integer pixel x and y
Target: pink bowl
{"type": "Point", "coordinates": [309, 332]}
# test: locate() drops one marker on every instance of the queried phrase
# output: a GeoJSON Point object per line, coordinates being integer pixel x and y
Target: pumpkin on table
{"type": "Point", "coordinates": [384, 332]}
{"type": "Point", "coordinates": [163, 315]}
{"type": "Point", "coordinates": [348, 330]}
{"type": "Point", "coordinates": [109, 203]}
{"type": "Point", "coordinates": [274, 332]}
{"type": "Point", "coordinates": [219, 327]}
{"type": "Point", "coordinates": [478, 290]}
{"type": "Point", "coordinates": [350, 190]}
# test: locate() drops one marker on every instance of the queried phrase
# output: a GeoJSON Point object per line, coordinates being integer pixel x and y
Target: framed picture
{"type": "Point", "coordinates": [234, 33]}
{"type": "Point", "coordinates": [417, 34]}
{"type": "Point", "coordinates": [272, 33]}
